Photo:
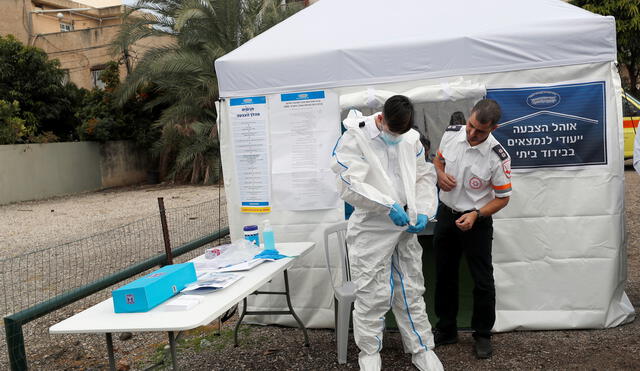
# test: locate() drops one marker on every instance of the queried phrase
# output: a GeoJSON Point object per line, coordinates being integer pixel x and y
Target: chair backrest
{"type": "Point", "coordinates": [340, 230]}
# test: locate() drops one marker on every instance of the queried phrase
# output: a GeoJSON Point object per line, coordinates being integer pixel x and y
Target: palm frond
{"type": "Point", "coordinates": [181, 72]}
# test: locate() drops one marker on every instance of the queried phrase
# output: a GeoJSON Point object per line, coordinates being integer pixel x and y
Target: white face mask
{"type": "Point", "coordinates": [390, 140]}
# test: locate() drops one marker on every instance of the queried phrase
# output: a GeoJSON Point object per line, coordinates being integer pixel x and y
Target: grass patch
{"type": "Point", "coordinates": [198, 339]}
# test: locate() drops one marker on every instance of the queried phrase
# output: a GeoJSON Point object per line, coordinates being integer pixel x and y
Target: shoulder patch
{"type": "Point", "coordinates": [500, 152]}
{"type": "Point", "coordinates": [453, 128]}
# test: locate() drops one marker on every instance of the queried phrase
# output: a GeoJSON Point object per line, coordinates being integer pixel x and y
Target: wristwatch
{"type": "Point", "coordinates": [478, 214]}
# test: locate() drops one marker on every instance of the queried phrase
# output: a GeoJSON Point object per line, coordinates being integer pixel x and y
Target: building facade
{"type": "Point", "coordinates": [77, 33]}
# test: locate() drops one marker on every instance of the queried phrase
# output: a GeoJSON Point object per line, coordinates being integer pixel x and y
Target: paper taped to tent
{"type": "Point", "coordinates": [559, 247]}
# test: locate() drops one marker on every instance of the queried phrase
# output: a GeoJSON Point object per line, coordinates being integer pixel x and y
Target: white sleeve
{"type": "Point", "coordinates": [351, 169]}
{"type": "Point", "coordinates": [426, 191]}
{"type": "Point", "coordinates": [501, 178]}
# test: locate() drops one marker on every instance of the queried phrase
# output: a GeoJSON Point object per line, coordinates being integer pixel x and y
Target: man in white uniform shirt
{"type": "Point", "coordinates": [474, 175]}
{"type": "Point", "coordinates": [381, 171]}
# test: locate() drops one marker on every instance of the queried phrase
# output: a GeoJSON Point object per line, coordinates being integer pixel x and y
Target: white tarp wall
{"type": "Point", "coordinates": [559, 253]}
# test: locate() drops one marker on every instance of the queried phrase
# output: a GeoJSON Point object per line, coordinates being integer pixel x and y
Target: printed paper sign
{"type": "Point", "coordinates": [305, 127]}
{"type": "Point", "coordinates": [249, 125]}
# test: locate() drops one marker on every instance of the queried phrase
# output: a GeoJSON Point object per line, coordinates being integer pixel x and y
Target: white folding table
{"type": "Point", "coordinates": [101, 318]}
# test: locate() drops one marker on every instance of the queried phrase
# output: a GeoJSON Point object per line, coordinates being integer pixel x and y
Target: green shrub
{"type": "Point", "coordinates": [12, 127]}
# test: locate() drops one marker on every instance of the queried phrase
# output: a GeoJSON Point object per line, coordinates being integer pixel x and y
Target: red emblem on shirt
{"type": "Point", "coordinates": [506, 167]}
{"type": "Point", "coordinates": [475, 182]}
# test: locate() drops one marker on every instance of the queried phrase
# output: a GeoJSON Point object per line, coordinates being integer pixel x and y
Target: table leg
{"type": "Point", "coordinates": [235, 330]}
{"type": "Point", "coordinates": [290, 311]}
{"type": "Point", "coordinates": [112, 358]}
{"type": "Point", "coordinates": [172, 347]}
{"type": "Point", "coordinates": [304, 329]}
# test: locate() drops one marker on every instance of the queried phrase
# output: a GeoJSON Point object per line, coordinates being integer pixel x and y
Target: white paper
{"type": "Point", "coordinates": [182, 302]}
{"type": "Point", "coordinates": [305, 127]}
{"type": "Point", "coordinates": [213, 281]}
{"type": "Point", "coordinates": [244, 266]}
{"type": "Point", "coordinates": [305, 190]}
{"type": "Point", "coordinates": [249, 125]}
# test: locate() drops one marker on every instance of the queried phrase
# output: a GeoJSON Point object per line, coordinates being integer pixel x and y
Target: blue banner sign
{"type": "Point", "coordinates": [302, 96]}
{"type": "Point", "coordinates": [553, 126]}
{"type": "Point", "coordinates": [247, 101]}
{"type": "Point", "coordinates": [255, 204]}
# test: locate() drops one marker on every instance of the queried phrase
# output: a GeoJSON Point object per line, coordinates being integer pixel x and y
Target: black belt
{"type": "Point", "coordinates": [456, 212]}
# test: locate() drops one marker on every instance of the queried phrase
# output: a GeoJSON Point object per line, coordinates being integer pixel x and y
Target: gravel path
{"type": "Point", "coordinates": [276, 348]}
{"type": "Point", "coordinates": [26, 226]}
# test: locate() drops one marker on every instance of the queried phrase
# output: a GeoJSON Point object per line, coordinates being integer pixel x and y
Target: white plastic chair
{"type": "Point", "coordinates": [345, 291]}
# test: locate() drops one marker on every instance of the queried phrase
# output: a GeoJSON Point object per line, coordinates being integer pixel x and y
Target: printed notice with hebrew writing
{"type": "Point", "coordinates": [249, 126]}
{"type": "Point", "coordinates": [554, 126]}
{"type": "Point", "coordinates": [305, 127]}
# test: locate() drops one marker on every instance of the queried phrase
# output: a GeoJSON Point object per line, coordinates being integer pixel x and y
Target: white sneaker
{"type": "Point", "coordinates": [426, 361]}
{"type": "Point", "coordinates": [370, 362]}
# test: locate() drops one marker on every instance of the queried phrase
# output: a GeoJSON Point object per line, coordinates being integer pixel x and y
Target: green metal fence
{"type": "Point", "coordinates": [42, 282]}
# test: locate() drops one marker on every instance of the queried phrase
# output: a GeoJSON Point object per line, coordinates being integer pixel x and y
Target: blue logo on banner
{"type": "Point", "coordinates": [253, 203]}
{"type": "Point", "coordinates": [554, 126]}
{"type": "Point", "coordinates": [302, 96]}
{"type": "Point", "coordinates": [248, 100]}
{"type": "Point", "coordinates": [543, 99]}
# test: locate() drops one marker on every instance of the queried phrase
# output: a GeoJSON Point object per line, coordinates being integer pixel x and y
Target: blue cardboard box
{"type": "Point", "coordinates": [147, 292]}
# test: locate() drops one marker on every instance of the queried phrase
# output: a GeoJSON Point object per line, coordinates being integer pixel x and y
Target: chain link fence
{"type": "Point", "coordinates": [30, 279]}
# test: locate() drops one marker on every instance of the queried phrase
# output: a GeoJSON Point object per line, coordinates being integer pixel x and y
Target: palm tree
{"type": "Point", "coordinates": [181, 71]}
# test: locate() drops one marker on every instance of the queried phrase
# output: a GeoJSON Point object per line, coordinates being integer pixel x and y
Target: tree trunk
{"type": "Point", "coordinates": [195, 171]}
{"type": "Point", "coordinates": [163, 167]}
{"type": "Point", "coordinates": [194, 166]}
{"type": "Point", "coordinates": [633, 79]}
{"type": "Point", "coordinates": [632, 72]}
{"type": "Point", "coordinates": [207, 174]}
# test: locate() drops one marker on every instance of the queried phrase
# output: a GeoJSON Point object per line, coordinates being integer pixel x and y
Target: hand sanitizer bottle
{"type": "Point", "coordinates": [267, 236]}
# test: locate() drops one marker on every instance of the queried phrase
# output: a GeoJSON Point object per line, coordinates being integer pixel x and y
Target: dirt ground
{"type": "Point", "coordinates": [29, 225]}
{"type": "Point", "coordinates": [276, 348]}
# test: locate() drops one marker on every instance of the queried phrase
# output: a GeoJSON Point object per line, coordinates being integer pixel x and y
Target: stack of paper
{"type": "Point", "coordinates": [213, 281]}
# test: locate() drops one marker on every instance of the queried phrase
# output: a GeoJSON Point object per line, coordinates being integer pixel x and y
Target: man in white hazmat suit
{"type": "Point", "coordinates": [381, 171]}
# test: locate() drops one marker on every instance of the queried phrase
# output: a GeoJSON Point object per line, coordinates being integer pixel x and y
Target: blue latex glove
{"type": "Point", "coordinates": [270, 254]}
{"type": "Point", "coordinates": [420, 224]}
{"type": "Point", "coordinates": [398, 216]}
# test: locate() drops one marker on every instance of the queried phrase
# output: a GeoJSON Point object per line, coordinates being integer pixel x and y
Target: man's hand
{"type": "Point", "coordinates": [446, 182]}
{"type": "Point", "coordinates": [420, 224]}
{"type": "Point", "coordinates": [398, 215]}
{"type": "Point", "coordinates": [466, 221]}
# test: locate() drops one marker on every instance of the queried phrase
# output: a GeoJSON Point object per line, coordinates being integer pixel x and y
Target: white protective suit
{"type": "Point", "coordinates": [386, 261]}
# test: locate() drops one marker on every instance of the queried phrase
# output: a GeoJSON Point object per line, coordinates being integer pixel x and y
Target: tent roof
{"type": "Point", "coordinates": [337, 43]}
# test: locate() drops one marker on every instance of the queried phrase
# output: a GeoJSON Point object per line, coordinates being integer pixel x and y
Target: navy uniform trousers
{"type": "Point", "coordinates": [450, 243]}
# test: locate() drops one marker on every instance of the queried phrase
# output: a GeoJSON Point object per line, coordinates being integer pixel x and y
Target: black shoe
{"type": "Point", "coordinates": [444, 338]}
{"type": "Point", "coordinates": [483, 347]}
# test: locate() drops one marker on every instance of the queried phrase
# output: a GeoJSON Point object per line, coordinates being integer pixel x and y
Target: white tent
{"type": "Point", "coordinates": [559, 253]}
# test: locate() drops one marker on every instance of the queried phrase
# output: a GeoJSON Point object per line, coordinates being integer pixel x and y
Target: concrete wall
{"type": "Point", "coordinates": [80, 51]}
{"type": "Point", "coordinates": [15, 19]}
{"type": "Point", "coordinates": [36, 171]}
{"type": "Point", "coordinates": [84, 50]}
{"type": "Point", "coordinates": [121, 163]}
{"type": "Point", "coordinates": [44, 23]}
